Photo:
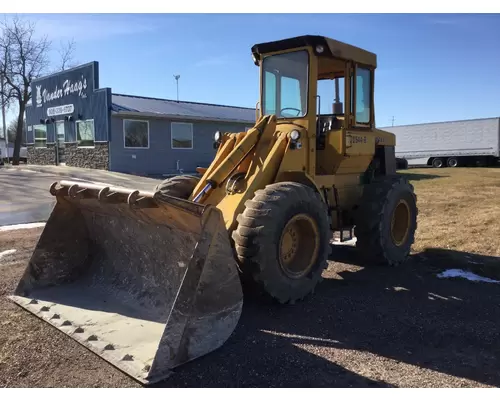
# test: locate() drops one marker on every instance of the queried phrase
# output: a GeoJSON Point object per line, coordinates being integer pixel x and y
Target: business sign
{"type": "Point", "coordinates": [72, 85]}
{"type": "Point", "coordinates": [60, 110]}
{"type": "Point", "coordinates": [44, 95]}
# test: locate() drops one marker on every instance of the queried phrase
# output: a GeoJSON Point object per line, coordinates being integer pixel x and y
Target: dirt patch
{"type": "Point", "coordinates": [363, 328]}
{"type": "Point", "coordinates": [32, 353]}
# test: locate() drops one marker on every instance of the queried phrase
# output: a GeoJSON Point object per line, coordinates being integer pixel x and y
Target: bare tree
{"type": "Point", "coordinates": [66, 51]}
{"type": "Point", "coordinates": [12, 131]}
{"type": "Point", "coordinates": [24, 57]}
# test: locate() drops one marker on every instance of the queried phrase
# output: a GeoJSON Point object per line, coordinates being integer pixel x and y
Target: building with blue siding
{"type": "Point", "coordinates": [72, 121]}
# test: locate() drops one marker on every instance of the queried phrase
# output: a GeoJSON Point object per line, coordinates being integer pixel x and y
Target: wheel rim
{"type": "Point", "coordinates": [299, 246]}
{"type": "Point", "coordinates": [438, 163]}
{"type": "Point", "coordinates": [400, 224]}
{"type": "Point", "coordinates": [452, 163]}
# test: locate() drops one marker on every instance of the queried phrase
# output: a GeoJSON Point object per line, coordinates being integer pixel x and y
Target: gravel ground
{"type": "Point", "coordinates": [364, 327]}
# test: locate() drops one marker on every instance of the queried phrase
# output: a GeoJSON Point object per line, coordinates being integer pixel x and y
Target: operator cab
{"type": "Point", "coordinates": [293, 69]}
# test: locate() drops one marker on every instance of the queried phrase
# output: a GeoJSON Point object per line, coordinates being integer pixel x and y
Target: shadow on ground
{"type": "Point", "coordinates": [405, 315]}
{"type": "Point", "coordinates": [421, 177]}
{"type": "Point", "coordinates": [488, 266]}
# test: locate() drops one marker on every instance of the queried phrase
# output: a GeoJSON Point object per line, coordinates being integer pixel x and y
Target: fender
{"type": "Point", "coordinates": [299, 177]}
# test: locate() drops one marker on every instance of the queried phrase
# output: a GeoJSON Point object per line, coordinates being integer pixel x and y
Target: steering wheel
{"type": "Point", "coordinates": [291, 108]}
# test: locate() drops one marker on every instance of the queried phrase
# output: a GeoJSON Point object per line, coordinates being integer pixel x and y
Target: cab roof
{"type": "Point", "coordinates": [332, 48]}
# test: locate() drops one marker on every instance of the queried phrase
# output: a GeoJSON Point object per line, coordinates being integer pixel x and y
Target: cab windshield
{"type": "Point", "coordinates": [285, 84]}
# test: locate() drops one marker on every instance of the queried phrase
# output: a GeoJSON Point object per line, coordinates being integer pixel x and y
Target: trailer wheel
{"type": "Point", "coordinates": [437, 163]}
{"type": "Point", "coordinates": [452, 162]}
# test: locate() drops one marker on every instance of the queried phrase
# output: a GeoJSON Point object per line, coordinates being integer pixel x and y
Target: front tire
{"type": "Point", "coordinates": [387, 221]}
{"type": "Point", "coordinates": [283, 240]}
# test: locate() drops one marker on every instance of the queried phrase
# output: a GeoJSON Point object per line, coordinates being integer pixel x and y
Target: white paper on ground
{"type": "Point", "coordinates": [460, 273]}
{"type": "Point", "coordinates": [351, 242]}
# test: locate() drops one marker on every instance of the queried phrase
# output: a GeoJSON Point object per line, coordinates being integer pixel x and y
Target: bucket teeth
{"type": "Point", "coordinates": [79, 330]}
{"type": "Point", "coordinates": [92, 338]}
{"type": "Point", "coordinates": [44, 308]}
{"type": "Point", "coordinates": [66, 323]}
{"type": "Point", "coordinates": [127, 357]}
{"type": "Point", "coordinates": [109, 347]}
{"type": "Point", "coordinates": [33, 302]}
{"type": "Point", "coordinates": [55, 316]}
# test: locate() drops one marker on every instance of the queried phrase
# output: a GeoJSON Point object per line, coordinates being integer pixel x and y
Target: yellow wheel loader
{"type": "Point", "coordinates": [152, 280]}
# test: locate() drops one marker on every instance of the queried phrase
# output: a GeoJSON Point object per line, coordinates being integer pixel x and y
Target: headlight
{"type": "Point", "coordinates": [217, 136]}
{"type": "Point", "coordinates": [295, 135]}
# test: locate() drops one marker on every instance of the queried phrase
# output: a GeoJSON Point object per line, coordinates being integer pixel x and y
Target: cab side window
{"type": "Point", "coordinates": [363, 98]}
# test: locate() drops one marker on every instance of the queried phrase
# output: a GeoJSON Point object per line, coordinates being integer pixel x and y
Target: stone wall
{"type": "Point", "coordinates": [95, 158]}
{"type": "Point", "coordinates": [41, 155]}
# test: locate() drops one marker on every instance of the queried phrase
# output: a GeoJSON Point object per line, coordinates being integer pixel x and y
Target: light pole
{"type": "Point", "coordinates": [177, 81]}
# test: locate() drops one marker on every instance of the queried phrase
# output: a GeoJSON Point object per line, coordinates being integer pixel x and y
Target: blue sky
{"type": "Point", "coordinates": [431, 67]}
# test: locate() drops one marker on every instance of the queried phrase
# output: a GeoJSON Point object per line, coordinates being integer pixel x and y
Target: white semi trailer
{"type": "Point", "coordinates": [474, 142]}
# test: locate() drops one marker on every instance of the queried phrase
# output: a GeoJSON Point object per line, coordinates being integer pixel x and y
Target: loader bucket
{"type": "Point", "coordinates": [146, 284]}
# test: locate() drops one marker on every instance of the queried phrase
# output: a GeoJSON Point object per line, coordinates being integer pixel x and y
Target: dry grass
{"type": "Point", "coordinates": [459, 216]}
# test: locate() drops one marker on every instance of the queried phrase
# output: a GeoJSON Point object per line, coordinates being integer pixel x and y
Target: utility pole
{"type": "Point", "coordinates": [177, 81]}
{"type": "Point", "coordinates": [392, 120]}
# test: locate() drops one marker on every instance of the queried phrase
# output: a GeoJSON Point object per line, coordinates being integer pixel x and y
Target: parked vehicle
{"type": "Point", "coordinates": [449, 144]}
{"type": "Point", "coordinates": [150, 280]}
{"type": "Point", "coordinates": [23, 153]}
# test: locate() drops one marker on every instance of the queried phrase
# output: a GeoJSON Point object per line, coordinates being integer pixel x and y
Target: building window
{"type": "Point", "coordinates": [182, 135]}
{"type": "Point", "coordinates": [85, 134]}
{"type": "Point", "coordinates": [40, 135]}
{"type": "Point", "coordinates": [136, 134]}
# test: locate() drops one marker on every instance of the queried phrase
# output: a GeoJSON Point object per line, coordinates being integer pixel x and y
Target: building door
{"type": "Point", "coordinates": [60, 138]}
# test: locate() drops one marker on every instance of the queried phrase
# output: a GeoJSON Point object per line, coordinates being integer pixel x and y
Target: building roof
{"type": "Point", "coordinates": [471, 120]}
{"type": "Point", "coordinates": [149, 106]}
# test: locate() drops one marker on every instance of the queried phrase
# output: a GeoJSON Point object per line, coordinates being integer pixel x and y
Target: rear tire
{"type": "Point", "coordinates": [387, 221]}
{"type": "Point", "coordinates": [283, 240]}
{"type": "Point", "coordinates": [178, 186]}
